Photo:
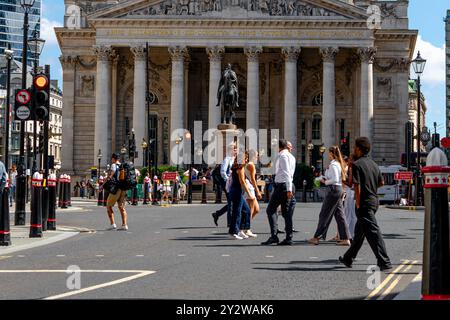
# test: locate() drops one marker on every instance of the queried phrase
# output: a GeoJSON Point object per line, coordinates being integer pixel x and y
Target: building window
{"type": "Point", "coordinates": [303, 153]}
{"type": "Point", "coordinates": [316, 127]}
{"type": "Point", "coordinates": [342, 129]}
{"type": "Point", "coordinates": [303, 128]}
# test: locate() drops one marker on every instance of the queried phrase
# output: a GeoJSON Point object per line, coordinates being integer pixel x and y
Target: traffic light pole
{"type": "Point", "coordinates": [19, 217]}
{"type": "Point", "coordinates": [45, 190]}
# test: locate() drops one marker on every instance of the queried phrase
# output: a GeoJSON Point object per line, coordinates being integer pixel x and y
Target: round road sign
{"type": "Point", "coordinates": [23, 113]}
{"type": "Point", "coordinates": [23, 97]}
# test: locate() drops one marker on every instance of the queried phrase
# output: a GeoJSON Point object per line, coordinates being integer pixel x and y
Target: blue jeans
{"type": "Point", "coordinates": [240, 213]}
{"type": "Point", "coordinates": [12, 194]}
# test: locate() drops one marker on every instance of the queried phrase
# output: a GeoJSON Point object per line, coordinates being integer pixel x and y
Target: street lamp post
{"type": "Point", "coordinates": [310, 149]}
{"type": "Point", "coordinates": [99, 157]}
{"type": "Point", "coordinates": [178, 142]}
{"type": "Point", "coordinates": [144, 147]}
{"type": "Point", "coordinates": [35, 44]}
{"type": "Point", "coordinates": [322, 151]}
{"type": "Point", "coordinates": [19, 217]}
{"type": "Point", "coordinates": [419, 66]}
{"type": "Point", "coordinates": [9, 54]}
{"type": "Point", "coordinates": [188, 136]}
{"type": "Point", "coordinates": [123, 152]}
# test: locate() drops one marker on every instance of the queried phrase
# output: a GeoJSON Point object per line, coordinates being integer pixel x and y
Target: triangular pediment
{"type": "Point", "coordinates": [232, 9]}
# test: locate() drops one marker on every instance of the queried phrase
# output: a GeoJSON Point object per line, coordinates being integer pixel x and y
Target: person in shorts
{"type": "Point", "coordinates": [119, 197]}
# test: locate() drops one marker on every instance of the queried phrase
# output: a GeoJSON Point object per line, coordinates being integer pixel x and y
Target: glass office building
{"type": "Point", "coordinates": [11, 26]}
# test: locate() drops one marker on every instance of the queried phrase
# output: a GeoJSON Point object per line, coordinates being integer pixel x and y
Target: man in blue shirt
{"type": "Point", "coordinates": [3, 177]}
{"type": "Point", "coordinates": [225, 172]}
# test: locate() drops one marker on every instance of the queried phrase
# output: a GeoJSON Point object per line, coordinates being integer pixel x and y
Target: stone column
{"type": "Point", "coordinates": [187, 61]}
{"type": "Point", "coordinates": [367, 55]}
{"type": "Point", "coordinates": [215, 55]}
{"type": "Point", "coordinates": [329, 97]}
{"type": "Point", "coordinates": [308, 138]}
{"type": "Point", "coordinates": [68, 64]}
{"type": "Point", "coordinates": [290, 55]}
{"type": "Point", "coordinates": [252, 54]}
{"type": "Point", "coordinates": [103, 103]}
{"type": "Point", "coordinates": [115, 62]}
{"type": "Point", "coordinates": [177, 112]}
{"type": "Point", "coordinates": [139, 103]}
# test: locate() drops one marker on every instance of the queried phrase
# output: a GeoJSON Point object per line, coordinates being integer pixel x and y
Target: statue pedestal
{"type": "Point", "coordinates": [224, 136]}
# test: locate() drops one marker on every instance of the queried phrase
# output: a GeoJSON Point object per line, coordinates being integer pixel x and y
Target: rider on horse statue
{"type": "Point", "coordinates": [228, 93]}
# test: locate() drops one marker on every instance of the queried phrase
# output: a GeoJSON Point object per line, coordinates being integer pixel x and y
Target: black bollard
{"type": "Point", "coordinates": [218, 193]}
{"type": "Point", "coordinates": [105, 197]}
{"type": "Point", "coordinates": [51, 222]}
{"type": "Point", "coordinates": [64, 192]}
{"type": "Point", "coordinates": [155, 191]}
{"type": "Point", "coordinates": [36, 210]}
{"type": "Point", "coordinates": [100, 192]}
{"type": "Point", "coordinates": [69, 191]}
{"type": "Point", "coordinates": [436, 253]}
{"type": "Point", "coordinates": [175, 192]}
{"type": "Point", "coordinates": [134, 196]}
{"type": "Point", "coordinates": [304, 190]}
{"type": "Point", "coordinates": [60, 190]}
{"type": "Point", "coordinates": [44, 204]}
{"type": "Point", "coordinates": [146, 183]}
{"type": "Point", "coordinates": [5, 231]}
{"type": "Point", "coordinates": [204, 197]}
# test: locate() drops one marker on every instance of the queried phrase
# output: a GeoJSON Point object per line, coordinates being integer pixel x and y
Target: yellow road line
{"type": "Point", "coordinates": [386, 281]}
{"type": "Point", "coordinates": [396, 281]}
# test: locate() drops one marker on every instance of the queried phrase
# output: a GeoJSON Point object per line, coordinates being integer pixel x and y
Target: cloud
{"type": "Point", "coordinates": [434, 73]}
{"type": "Point", "coordinates": [48, 32]}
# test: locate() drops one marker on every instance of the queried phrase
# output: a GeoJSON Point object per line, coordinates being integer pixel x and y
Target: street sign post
{"type": "Point", "coordinates": [22, 105]}
{"type": "Point", "coordinates": [169, 176]}
{"type": "Point", "coordinates": [403, 175]}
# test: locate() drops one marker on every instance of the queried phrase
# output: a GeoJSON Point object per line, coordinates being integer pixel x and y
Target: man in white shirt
{"type": "Point", "coordinates": [283, 194]}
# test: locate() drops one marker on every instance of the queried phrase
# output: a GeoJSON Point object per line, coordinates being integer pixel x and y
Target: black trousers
{"type": "Point", "coordinates": [367, 227]}
{"type": "Point", "coordinates": [279, 198]}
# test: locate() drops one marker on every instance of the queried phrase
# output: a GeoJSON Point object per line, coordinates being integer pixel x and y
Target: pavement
{"type": "Point", "coordinates": [176, 252]}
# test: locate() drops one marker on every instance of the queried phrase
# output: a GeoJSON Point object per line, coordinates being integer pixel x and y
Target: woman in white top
{"type": "Point", "coordinates": [333, 204]}
{"type": "Point", "coordinates": [250, 179]}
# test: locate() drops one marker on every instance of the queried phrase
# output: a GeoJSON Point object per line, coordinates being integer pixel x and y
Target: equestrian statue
{"type": "Point", "coordinates": [228, 95]}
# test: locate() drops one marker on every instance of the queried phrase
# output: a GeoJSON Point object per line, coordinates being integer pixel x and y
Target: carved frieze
{"type": "Point", "coordinates": [384, 89]}
{"type": "Point", "coordinates": [87, 85]}
{"type": "Point", "coordinates": [242, 7]}
{"type": "Point", "coordinates": [329, 53]}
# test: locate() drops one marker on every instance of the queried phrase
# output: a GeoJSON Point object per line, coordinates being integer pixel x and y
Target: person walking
{"type": "Point", "coordinates": [349, 202]}
{"type": "Point", "coordinates": [283, 194]}
{"type": "Point", "coordinates": [240, 212]}
{"type": "Point", "coordinates": [367, 179]}
{"type": "Point", "coordinates": [225, 173]}
{"type": "Point", "coordinates": [250, 179]}
{"type": "Point", "coordinates": [333, 202]}
{"type": "Point", "coordinates": [118, 197]}
{"type": "Point", "coordinates": [3, 179]}
{"type": "Point", "coordinates": [13, 183]}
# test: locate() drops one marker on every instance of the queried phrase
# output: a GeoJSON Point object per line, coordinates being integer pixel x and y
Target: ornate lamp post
{"type": "Point", "coordinates": [322, 151]}
{"type": "Point", "coordinates": [123, 152]}
{"type": "Point", "coordinates": [144, 147]}
{"type": "Point", "coordinates": [418, 66]}
{"type": "Point", "coordinates": [9, 54]}
{"type": "Point", "coordinates": [35, 44]}
{"type": "Point", "coordinates": [178, 142]}
{"type": "Point", "coordinates": [188, 136]}
{"type": "Point", "coordinates": [19, 217]}
{"type": "Point", "coordinates": [99, 157]}
{"type": "Point", "coordinates": [310, 149]}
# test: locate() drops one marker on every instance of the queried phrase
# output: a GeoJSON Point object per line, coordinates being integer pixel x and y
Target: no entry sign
{"type": "Point", "coordinates": [403, 175]}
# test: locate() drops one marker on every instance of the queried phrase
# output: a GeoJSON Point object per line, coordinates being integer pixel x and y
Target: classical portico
{"type": "Point", "coordinates": [311, 70]}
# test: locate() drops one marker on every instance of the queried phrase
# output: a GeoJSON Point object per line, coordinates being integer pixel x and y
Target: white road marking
{"type": "Point", "coordinates": [307, 232]}
{"type": "Point", "coordinates": [157, 232]}
{"type": "Point", "coordinates": [60, 255]}
{"type": "Point", "coordinates": [139, 255]}
{"type": "Point", "coordinates": [225, 255]}
{"type": "Point", "coordinates": [182, 255]}
{"type": "Point", "coordinates": [313, 257]}
{"type": "Point", "coordinates": [99, 255]}
{"type": "Point", "coordinates": [20, 256]}
{"type": "Point", "coordinates": [103, 285]}
{"type": "Point", "coordinates": [269, 256]}
{"type": "Point", "coordinates": [185, 231]}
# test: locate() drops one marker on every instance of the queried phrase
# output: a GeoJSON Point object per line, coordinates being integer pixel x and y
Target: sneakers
{"type": "Point", "coordinates": [249, 233]}
{"type": "Point", "coordinates": [123, 228]}
{"type": "Point", "coordinates": [242, 235]}
{"type": "Point", "coordinates": [112, 227]}
{"type": "Point", "coordinates": [235, 237]}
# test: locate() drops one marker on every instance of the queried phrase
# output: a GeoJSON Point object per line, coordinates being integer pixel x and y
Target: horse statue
{"type": "Point", "coordinates": [228, 95]}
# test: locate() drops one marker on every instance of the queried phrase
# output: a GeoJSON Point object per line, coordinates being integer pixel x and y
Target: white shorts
{"type": "Point", "coordinates": [250, 188]}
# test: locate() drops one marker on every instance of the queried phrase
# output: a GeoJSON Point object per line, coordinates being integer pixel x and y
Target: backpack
{"type": "Point", "coordinates": [126, 176]}
{"type": "Point", "coordinates": [216, 176]}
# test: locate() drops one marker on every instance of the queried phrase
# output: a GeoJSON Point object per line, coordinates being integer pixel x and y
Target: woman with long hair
{"type": "Point", "coordinates": [240, 212]}
{"type": "Point", "coordinates": [333, 202]}
{"type": "Point", "coordinates": [250, 176]}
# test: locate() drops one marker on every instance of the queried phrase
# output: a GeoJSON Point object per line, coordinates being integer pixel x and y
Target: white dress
{"type": "Point", "coordinates": [249, 185]}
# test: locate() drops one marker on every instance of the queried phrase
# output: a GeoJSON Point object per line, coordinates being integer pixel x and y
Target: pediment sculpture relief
{"type": "Point", "coordinates": [218, 8]}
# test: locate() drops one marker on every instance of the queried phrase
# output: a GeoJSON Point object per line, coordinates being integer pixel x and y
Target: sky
{"type": "Point", "coordinates": [424, 15]}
